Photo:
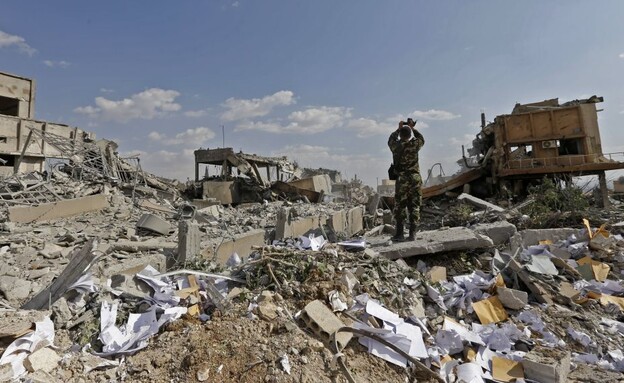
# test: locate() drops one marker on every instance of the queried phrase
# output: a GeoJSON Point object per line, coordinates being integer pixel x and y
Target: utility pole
{"type": "Point", "coordinates": [223, 134]}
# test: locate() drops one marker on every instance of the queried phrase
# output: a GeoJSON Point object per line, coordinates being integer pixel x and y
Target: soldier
{"type": "Point", "coordinates": [407, 194]}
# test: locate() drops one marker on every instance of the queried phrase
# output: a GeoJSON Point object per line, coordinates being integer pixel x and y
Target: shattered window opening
{"type": "Point", "coordinates": [9, 106]}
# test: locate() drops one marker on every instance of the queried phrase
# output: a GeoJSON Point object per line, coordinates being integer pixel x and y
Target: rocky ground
{"type": "Point", "coordinates": [254, 330]}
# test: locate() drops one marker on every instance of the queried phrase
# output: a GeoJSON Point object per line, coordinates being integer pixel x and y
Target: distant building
{"type": "Point", "coordinates": [20, 151]}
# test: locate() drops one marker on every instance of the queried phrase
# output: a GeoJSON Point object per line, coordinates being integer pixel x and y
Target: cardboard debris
{"type": "Point", "coordinates": [490, 310]}
{"type": "Point", "coordinates": [506, 370]}
{"type": "Point", "coordinates": [600, 271]}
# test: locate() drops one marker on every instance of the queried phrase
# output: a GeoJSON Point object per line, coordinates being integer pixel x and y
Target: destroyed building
{"type": "Point", "coordinates": [537, 140]}
{"type": "Point", "coordinates": [20, 151]}
{"type": "Point", "coordinates": [108, 274]}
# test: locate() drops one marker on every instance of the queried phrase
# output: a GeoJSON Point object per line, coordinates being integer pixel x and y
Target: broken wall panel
{"type": "Point", "coordinates": [60, 209]}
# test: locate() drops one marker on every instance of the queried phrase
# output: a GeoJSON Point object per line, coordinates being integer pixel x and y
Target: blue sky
{"type": "Point", "coordinates": [322, 82]}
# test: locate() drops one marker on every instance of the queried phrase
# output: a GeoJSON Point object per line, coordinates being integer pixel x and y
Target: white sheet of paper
{"type": "Point", "coordinates": [469, 373]}
{"type": "Point", "coordinates": [417, 348]}
{"type": "Point", "coordinates": [449, 342]}
{"type": "Point", "coordinates": [18, 351]}
{"type": "Point", "coordinates": [375, 309]}
{"type": "Point", "coordinates": [463, 332]}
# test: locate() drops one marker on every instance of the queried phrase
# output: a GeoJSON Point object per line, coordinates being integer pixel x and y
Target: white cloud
{"type": "Point", "coordinates": [147, 105]}
{"type": "Point", "coordinates": [366, 127]}
{"type": "Point", "coordinates": [191, 137]}
{"type": "Point", "coordinates": [241, 109]}
{"type": "Point", "coordinates": [434, 114]}
{"type": "Point", "coordinates": [465, 140]}
{"type": "Point", "coordinates": [366, 167]}
{"type": "Point", "coordinates": [8, 40]}
{"type": "Point", "coordinates": [474, 124]}
{"type": "Point", "coordinates": [106, 90]}
{"type": "Point", "coordinates": [195, 113]}
{"type": "Point", "coordinates": [621, 55]}
{"type": "Point", "coordinates": [177, 164]}
{"type": "Point", "coordinates": [54, 64]}
{"type": "Point", "coordinates": [307, 121]}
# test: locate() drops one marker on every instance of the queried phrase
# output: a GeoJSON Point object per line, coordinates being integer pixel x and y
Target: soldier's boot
{"type": "Point", "coordinates": [412, 231]}
{"type": "Point", "coordinates": [398, 235]}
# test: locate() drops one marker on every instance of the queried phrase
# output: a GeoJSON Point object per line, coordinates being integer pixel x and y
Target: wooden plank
{"type": "Point", "coordinates": [80, 262]}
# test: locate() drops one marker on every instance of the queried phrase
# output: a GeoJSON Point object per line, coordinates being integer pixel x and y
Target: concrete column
{"type": "Point", "coordinates": [189, 241]}
{"type": "Point", "coordinates": [604, 192]}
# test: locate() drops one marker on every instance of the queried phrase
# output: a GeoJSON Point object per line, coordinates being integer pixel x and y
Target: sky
{"type": "Point", "coordinates": [322, 82]}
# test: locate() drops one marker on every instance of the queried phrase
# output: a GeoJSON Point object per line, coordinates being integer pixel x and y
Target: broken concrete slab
{"type": "Point", "coordinates": [59, 209]}
{"type": "Point", "coordinates": [436, 241]}
{"type": "Point", "coordinates": [318, 183]}
{"type": "Point", "coordinates": [287, 227]}
{"type": "Point", "coordinates": [79, 263]}
{"type": "Point", "coordinates": [135, 246]}
{"type": "Point", "coordinates": [499, 232]}
{"type": "Point", "coordinates": [526, 238]}
{"type": "Point", "coordinates": [513, 299]}
{"type": "Point", "coordinates": [355, 220]}
{"type": "Point", "coordinates": [241, 244]}
{"type": "Point", "coordinates": [479, 202]}
{"type": "Point", "coordinates": [154, 224]}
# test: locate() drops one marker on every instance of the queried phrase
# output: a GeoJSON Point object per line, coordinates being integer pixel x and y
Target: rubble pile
{"type": "Point", "coordinates": [104, 297]}
{"type": "Point", "coordinates": [118, 278]}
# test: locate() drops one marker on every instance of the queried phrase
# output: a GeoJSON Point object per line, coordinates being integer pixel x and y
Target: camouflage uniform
{"type": "Point", "coordinates": [408, 194]}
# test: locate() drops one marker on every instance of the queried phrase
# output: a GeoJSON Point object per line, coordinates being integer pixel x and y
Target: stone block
{"type": "Point", "coordinates": [513, 299]}
{"type": "Point", "coordinates": [499, 232]}
{"type": "Point", "coordinates": [324, 323]}
{"type": "Point", "coordinates": [547, 365]}
{"type": "Point", "coordinates": [14, 288]}
{"type": "Point", "coordinates": [44, 359]}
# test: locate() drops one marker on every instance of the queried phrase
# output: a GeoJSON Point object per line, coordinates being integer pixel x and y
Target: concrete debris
{"type": "Point", "coordinates": [109, 273]}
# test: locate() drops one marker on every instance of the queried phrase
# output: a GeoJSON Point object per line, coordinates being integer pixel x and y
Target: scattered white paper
{"type": "Point", "coordinates": [375, 309]}
{"type": "Point", "coordinates": [234, 260]}
{"type": "Point", "coordinates": [469, 373]}
{"type": "Point", "coordinates": [449, 342]}
{"type": "Point", "coordinates": [580, 337]}
{"type": "Point", "coordinates": [18, 351]}
{"type": "Point", "coordinates": [464, 333]}
{"type": "Point", "coordinates": [335, 301]}
{"type": "Point", "coordinates": [417, 347]}
{"type": "Point", "coordinates": [285, 363]}
{"type": "Point", "coordinates": [435, 296]}
{"type": "Point", "coordinates": [84, 284]}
